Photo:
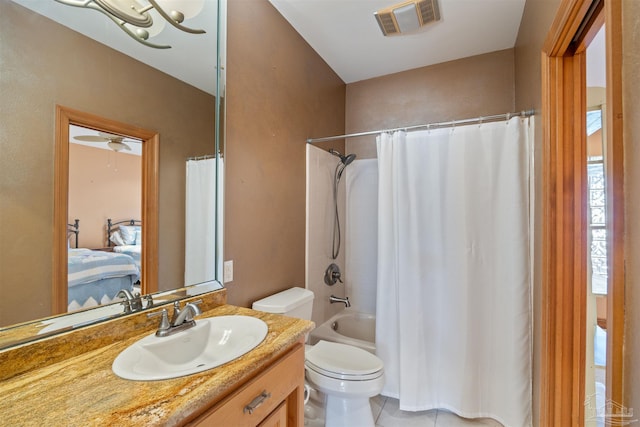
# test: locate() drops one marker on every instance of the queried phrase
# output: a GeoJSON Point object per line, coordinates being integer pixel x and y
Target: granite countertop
{"type": "Point", "coordinates": [84, 391]}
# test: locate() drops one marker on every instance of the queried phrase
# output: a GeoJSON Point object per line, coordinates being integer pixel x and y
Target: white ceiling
{"type": "Point", "coordinates": [346, 34]}
{"type": "Point", "coordinates": [343, 32]}
{"type": "Point", "coordinates": [191, 58]}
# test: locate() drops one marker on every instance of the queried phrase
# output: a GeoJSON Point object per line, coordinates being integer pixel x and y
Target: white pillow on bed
{"type": "Point", "coordinates": [138, 237]}
{"type": "Point", "coordinates": [128, 233]}
{"type": "Point", "coordinates": [116, 238]}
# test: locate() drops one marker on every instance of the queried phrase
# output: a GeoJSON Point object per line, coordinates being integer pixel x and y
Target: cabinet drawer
{"type": "Point", "coordinates": [267, 391]}
{"type": "Point", "coordinates": [278, 418]}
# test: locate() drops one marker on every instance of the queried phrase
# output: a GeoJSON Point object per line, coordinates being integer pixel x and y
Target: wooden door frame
{"type": "Point", "coordinates": [565, 244]}
{"type": "Point", "coordinates": [150, 161]}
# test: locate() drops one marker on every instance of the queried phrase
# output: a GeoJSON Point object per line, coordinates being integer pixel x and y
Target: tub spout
{"type": "Point", "coordinates": [344, 300]}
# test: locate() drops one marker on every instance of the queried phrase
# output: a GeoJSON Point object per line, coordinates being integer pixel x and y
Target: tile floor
{"type": "Point", "coordinates": [387, 413]}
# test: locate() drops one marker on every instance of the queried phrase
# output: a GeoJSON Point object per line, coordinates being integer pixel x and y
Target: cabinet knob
{"type": "Point", "coordinates": [256, 402]}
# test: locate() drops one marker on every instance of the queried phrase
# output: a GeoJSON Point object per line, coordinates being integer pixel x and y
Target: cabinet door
{"type": "Point", "coordinates": [278, 418]}
{"type": "Point", "coordinates": [277, 390]}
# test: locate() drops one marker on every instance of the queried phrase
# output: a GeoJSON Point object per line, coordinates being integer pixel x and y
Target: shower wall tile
{"type": "Point", "coordinates": [361, 232]}
{"type": "Point", "coordinates": [319, 225]}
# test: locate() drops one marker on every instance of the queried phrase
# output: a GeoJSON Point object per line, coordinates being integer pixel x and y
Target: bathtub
{"type": "Point", "coordinates": [348, 327]}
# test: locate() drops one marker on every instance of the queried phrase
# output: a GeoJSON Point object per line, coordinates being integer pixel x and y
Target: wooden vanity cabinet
{"type": "Point", "coordinates": [273, 398]}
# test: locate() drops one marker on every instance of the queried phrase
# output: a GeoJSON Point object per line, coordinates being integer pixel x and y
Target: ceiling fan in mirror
{"type": "Point", "coordinates": [115, 142]}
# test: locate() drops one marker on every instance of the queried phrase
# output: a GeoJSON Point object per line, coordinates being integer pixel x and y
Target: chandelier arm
{"type": "Point", "coordinates": [135, 37]}
{"type": "Point", "coordinates": [173, 22]}
{"type": "Point", "coordinates": [88, 4]}
{"type": "Point", "coordinates": [75, 3]}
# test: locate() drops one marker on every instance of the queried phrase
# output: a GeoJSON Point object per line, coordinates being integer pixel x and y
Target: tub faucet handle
{"type": "Point", "coordinates": [332, 275]}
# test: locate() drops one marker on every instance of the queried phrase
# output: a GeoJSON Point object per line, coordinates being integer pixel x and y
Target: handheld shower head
{"type": "Point", "coordinates": [340, 167]}
{"type": "Point", "coordinates": [344, 159]}
{"type": "Point", "coordinates": [348, 159]}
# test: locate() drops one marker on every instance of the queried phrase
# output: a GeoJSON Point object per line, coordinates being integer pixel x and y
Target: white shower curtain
{"type": "Point", "coordinates": [453, 297]}
{"type": "Point", "coordinates": [200, 232]}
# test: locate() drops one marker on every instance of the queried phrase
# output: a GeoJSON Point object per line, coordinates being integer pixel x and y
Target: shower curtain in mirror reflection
{"type": "Point", "coordinates": [200, 238]}
{"type": "Point", "coordinates": [454, 294]}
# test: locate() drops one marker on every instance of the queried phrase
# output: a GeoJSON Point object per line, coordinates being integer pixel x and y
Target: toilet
{"type": "Point", "coordinates": [347, 375]}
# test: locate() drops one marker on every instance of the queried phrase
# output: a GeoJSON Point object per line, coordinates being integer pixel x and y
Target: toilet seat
{"type": "Point", "coordinates": [343, 362]}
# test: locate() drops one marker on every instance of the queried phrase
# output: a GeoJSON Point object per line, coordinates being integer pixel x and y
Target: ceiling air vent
{"type": "Point", "coordinates": [407, 16]}
{"type": "Point", "coordinates": [387, 23]}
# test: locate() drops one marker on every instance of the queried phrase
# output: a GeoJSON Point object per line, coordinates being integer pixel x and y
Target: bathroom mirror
{"type": "Point", "coordinates": [45, 64]}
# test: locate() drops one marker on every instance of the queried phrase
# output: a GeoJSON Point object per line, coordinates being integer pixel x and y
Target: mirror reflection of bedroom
{"type": "Point", "coordinates": [104, 217]}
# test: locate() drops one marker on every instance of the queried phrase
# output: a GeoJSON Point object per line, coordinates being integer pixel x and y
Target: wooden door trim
{"type": "Point", "coordinates": [615, 204]}
{"type": "Point", "coordinates": [150, 166]}
{"type": "Point", "coordinates": [565, 245]}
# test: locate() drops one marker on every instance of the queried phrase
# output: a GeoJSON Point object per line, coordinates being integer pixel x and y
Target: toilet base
{"type": "Point", "coordinates": [342, 412]}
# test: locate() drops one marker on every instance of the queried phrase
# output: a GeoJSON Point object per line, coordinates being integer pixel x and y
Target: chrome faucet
{"type": "Point", "coordinates": [185, 315]}
{"type": "Point", "coordinates": [180, 320]}
{"type": "Point", "coordinates": [344, 300]}
{"type": "Point", "coordinates": [132, 302]}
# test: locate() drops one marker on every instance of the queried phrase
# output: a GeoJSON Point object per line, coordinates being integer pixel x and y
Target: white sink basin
{"type": "Point", "coordinates": [211, 342]}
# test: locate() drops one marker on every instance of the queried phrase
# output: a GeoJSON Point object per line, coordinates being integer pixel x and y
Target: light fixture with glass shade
{"type": "Point", "coordinates": [135, 17]}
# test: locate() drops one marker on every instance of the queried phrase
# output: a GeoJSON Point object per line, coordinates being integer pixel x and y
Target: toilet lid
{"type": "Point", "coordinates": [343, 361]}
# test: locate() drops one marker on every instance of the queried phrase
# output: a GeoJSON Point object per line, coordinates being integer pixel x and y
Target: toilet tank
{"type": "Point", "coordinates": [293, 302]}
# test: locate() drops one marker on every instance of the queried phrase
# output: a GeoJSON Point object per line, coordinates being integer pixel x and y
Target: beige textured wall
{"type": "Point", "coordinates": [102, 184]}
{"type": "Point", "coordinates": [631, 112]}
{"type": "Point", "coordinates": [43, 64]}
{"type": "Point", "coordinates": [280, 92]}
{"type": "Point", "coordinates": [478, 86]}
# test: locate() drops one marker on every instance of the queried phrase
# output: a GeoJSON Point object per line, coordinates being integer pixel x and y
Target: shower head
{"type": "Point", "coordinates": [344, 159]}
{"type": "Point", "coordinates": [348, 159]}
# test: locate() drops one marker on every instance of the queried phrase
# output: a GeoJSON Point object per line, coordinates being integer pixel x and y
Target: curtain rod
{"type": "Point", "coordinates": [485, 119]}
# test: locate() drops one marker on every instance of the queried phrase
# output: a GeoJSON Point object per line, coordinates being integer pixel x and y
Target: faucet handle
{"type": "Point", "coordinates": [332, 275]}
{"type": "Point", "coordinates": [176, 311]}
{"type": "Point", "coordinates": [164, 320]}
{"type": "Point", "coordinates": [127, 306]}
{"type": "Point", "coordinates": [149, 299]}
{"type": "Point", "coordinates": [136, 302]}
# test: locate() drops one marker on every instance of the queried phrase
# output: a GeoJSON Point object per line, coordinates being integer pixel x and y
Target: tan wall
{"type": "Point", "coordinates": [43, 64]}
{"type": "Point", "coordinates": [102, 184]}
{"type": "Point", "coordinates": [631, 112]}
{"type": "Point", "coordinates": [280, 92]}
{"type": "Point", "coordinates": [478, 86]}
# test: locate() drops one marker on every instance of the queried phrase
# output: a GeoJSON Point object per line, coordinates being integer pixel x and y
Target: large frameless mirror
{"type": "Point", "coordinates": [55, 57]}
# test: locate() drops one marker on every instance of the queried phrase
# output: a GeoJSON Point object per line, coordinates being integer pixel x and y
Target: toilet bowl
{"type": "Point", "coordinates": [347, 375]}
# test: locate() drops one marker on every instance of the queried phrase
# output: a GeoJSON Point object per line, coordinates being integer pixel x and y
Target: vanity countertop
{"type": "Point", "coordinates": [84, 391]}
